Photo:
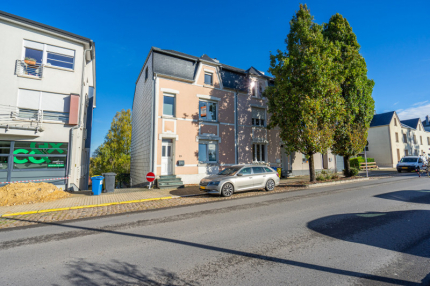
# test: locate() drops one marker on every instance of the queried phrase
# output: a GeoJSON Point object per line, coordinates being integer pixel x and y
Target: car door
{"type": "Point", "coordinates": [244, 180]}
{"type": "Point", "coordinates": [259, 177]}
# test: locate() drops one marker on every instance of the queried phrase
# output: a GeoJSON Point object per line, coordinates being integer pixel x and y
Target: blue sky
{"type": "Point", "coordinates": [394, 39]}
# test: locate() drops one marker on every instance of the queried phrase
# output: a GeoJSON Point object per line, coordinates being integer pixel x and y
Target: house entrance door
{"type": "Point", "coordinates": [166, 157]}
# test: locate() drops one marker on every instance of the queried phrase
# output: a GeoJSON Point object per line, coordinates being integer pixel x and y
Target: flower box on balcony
{"type": "Point", "coordinates": [30, 61]}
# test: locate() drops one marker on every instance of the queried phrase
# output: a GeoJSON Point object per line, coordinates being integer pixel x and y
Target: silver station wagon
{"type": "Point", "coordinates": [240, 178]}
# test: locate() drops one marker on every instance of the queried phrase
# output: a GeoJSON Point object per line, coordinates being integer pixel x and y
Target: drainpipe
{"type": "Point", "coordinates": [236, 128]}
{"type": "Point", "coordinates": [69, 171]}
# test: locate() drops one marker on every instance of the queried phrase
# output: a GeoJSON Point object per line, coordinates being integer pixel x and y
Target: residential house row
{"type": "Point", "coordinates": [193, 116]}
{"type": "Point", "coordinates": [391, 138]}
{"type": "Point", "coordinates": [47, 96]}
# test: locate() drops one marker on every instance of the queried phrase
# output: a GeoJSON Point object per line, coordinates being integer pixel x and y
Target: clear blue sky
{"type": "Point", "coordinates": [394, 38]}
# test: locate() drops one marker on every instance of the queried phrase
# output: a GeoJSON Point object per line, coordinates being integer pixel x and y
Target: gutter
{"type": "Point", "coordinates": [70, 155]}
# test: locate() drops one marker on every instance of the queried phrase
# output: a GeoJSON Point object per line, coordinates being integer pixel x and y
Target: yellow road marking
{"type": "Point", "coordinates": [87, 206]}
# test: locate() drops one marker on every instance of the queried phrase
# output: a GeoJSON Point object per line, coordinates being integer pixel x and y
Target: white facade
{"type": "Point", "coordinates": [36, 100]}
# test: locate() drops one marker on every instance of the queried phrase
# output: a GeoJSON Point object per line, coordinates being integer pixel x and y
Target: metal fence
{"type": "Point", "coordinates": [26, 69]}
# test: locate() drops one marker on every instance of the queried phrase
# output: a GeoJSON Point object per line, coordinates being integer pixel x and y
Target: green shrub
{"type": "Point", "coordinates": [320, 177]}
{"type": "Point", "coordinates": [370, 160]}
{"type": "Point", "coordinates": [355, 162]}
{"type": "Point", "coordinates": [354, 172]}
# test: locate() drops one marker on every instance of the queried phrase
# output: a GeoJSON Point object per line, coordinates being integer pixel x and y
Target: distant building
{"type": "Point", "coordinates": [193, 116]}
{"type": "Point", "coordinates": [391, 138]}
{"type": "Point", "coordinates": [47, 96]}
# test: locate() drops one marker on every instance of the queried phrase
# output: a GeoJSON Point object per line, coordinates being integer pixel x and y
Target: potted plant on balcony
{"type": "Point", "coordinates": [30, 61]}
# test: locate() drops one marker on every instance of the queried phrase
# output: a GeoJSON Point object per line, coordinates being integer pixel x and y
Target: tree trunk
{"type": "Point", "coordinates": [347, 166]}
{"type": "Point", "coordinates": [311, 168]}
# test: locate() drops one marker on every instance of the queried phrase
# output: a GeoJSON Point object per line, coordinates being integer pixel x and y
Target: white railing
{"type": "Point", "coordinates": [26, 68]}
{"type": "Point", "coordinates": [18, 118]}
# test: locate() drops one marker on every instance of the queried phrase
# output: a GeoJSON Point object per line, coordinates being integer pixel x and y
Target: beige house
{"type": "Point", "coordinates": [391, 138]}
{"type": "Point", "coordinates": [193, 116]}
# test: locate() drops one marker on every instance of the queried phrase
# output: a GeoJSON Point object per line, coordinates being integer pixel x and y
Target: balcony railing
{"type": "Point", "coordinates": [26, 68]}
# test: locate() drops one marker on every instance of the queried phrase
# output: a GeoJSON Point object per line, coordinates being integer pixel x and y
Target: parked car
{"type": "Point", "coordinates": [411, 163]}
{"type": "Point", "coordinates": [240, 178]}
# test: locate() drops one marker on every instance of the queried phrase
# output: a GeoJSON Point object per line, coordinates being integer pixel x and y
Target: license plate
{"type": "Point", "coordinates": [404, 167]}
{"type": "Point", "coordinates": [202, 188]}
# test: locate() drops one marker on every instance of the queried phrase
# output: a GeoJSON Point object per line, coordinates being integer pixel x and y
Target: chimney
{"type": "Point", "coordinates": [216, 60]}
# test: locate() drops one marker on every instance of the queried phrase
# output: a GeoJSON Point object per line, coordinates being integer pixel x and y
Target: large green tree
{"type": "Point", "coordinates": [305, 101]}
{"type": "Point", "coordinates": [351, 130]}
{"type": "Point", "coordinates": [114, 154]}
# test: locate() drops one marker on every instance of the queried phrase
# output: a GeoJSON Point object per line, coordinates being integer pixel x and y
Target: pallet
{"type": "Point", "coordinates": [370, 165]}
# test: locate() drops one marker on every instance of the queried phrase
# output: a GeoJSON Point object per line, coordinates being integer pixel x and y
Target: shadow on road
{"type": "Point", "coordinates": [398, 231]}
{"type": "Point", "coordinates": [84, 231]}
{"type": "Point", "coordinates": [409, 196]}
{"type": "Point", "coordinates": [118, 273]}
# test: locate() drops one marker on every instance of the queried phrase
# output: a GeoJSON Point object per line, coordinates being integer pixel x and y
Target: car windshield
{"type": "Point", "coordinates": [229, 171]}
{"type": "Point", "coordinates": [408, 160]}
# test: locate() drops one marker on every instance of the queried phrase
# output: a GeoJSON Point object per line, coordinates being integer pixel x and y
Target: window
{"type": "Point", "coordinates": [258, 116]}
{"type": "Point", "coordinates": [208, 110]}
{"type": "Point", "coordinates": [395, 122]}
{"type": "Point", "coordinates": [415, 139]}
{"type": "Point", "coordinates": [39, 155]}
{"type": "Point", "coordinates": [208, 152]}
{"type": "Point", "coordinates": [55, 106]}
{"type": "Point", "coordinates": [258, 170]}
{"type": "Point", "coordinates": [258, 152]}
{"type": "Point", "coordinates": [260, 89]}
{"type": "Point", "coordinates": [4, 154]}
{"type": "Point", "coordinates": [49, 55]}
{"type": "Point", "coordinates": [406, 152]}
{"type": "Point", "coordinates": [428, 140]}
{"type": "Point", "coordinates": [169, 105]}
{"type": "Point", "coordinates": [405, 139]}
{"type": "Point", "coordinates": [254, 88]}
{"type": "Point", "coordinates": [208, 78]}
{"type": "Point", "coordinates": [398, 155]}
{"type": "Point", "coordinates": [146, 73]}
{"type": "Point", "coordinates": [421, 140]}
{"type": "Point", "coordinates": [268, 169]}
{"type": "Point", "coordinates": [397, 137]}
{"type": "Point", "coordinates": [245, 171]}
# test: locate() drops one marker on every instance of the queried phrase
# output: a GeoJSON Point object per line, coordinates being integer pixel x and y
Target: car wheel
{"type": "Point", "coordinates": [270, 185]}
{"type": "Point", "coordinates": [227, 190]}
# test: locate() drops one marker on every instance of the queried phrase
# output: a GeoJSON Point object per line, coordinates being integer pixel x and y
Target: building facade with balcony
{"type": "Point", "coordinates": [193, 116]}
{"type": "Point", "coordinates": [47, 96]}
{"type": "Point", "coordinates": [390, 139]}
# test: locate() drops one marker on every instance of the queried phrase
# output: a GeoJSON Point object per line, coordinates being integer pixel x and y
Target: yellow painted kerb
{"type": "Point", "coordinates": [87, 206]}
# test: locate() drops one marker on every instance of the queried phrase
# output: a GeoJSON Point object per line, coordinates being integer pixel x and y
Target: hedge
{"type": "Point", "coordinates": [355, 162]}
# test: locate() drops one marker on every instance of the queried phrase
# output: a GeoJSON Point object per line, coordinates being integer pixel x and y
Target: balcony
{"type": "Point", "coordinates": [27, 69]}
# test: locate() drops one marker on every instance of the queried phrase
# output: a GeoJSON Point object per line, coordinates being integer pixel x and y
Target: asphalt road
{"type": "Point", "coordinates": [371, 233]}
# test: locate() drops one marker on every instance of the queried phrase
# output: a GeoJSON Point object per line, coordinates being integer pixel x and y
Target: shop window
{"type": "Point", "coordinates": [258, 117]}
{"type": "Point", "coordinates": [258, 152]}
{"type": "Point", "coordinates": [208, 110]}
{"type": "Point", "coordinates": [208, 152]}
{"type": "Point", "coordinates": [169, 104]}
{"type": "Point", "coordinates": [39, 155]}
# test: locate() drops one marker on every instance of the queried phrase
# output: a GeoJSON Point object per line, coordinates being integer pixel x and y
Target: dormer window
{"type": "Point", "coordinates": [208, 78]}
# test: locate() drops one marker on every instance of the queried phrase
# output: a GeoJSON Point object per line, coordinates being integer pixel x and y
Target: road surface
{"type": "Point", "coordinates": [370, 233]}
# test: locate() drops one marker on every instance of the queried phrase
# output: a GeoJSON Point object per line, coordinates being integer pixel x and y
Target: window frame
{"type": "Point", "coordinates": [254, 120]}
{"type": "Point", "coordinates": [45, 51]}
{"type": "Point", "coordinates": [165, 94]}
{"type": "Point", "coordinates": [207, 142]}
{"type": "Point", "coordinates": [259, 152]}
{"type": "Point", "coordinates": [397, 137]}
{"type": "Point", "coordinates": [212, 78]}
{"type": "Point", "coordinates": [216, 110]}
{"type": "Point", "coordinates": [405, 138]}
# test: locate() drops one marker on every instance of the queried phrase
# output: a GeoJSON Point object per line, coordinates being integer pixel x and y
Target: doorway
{"type": "Point", "coordinates": [167, 157]}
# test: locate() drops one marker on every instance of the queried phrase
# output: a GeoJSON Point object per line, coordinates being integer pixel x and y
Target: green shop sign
{"type": "Point", "coordinates": [38, 160]}
{"type": "Point", "coordinates": [55, 165]}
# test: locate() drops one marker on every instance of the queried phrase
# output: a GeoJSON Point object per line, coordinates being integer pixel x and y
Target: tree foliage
{"type": "Point", "coordinates": [114, 154]}
{"type": "Point", "coordinates": [305, 102]}
{"type": "Point", "coordinates": [351, 130]}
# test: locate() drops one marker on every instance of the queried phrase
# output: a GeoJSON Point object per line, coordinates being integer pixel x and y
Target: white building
{"type": "Point", "coordinates": [47, 96]}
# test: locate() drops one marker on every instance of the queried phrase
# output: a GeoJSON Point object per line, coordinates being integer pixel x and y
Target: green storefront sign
{"type": "Point", "coordinates": [48, 149]}
{"type": "Point", "coordinates": [55, 165]}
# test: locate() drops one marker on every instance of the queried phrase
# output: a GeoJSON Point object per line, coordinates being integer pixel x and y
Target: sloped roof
{"type": "Point", "coordinates": [207, 58]}
{"type": "Point", "coordinates": [381, 119]}
{"type": "Point", "coordinates": [413, 123]}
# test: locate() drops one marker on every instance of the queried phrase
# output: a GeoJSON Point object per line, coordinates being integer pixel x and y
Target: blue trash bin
{"type": "Point", "coordinates": [97, 182]}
